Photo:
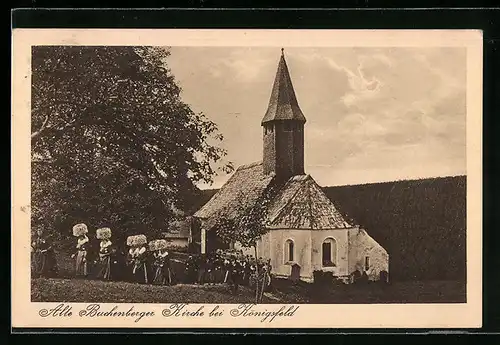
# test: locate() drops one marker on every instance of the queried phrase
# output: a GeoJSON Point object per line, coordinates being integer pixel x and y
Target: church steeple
{"type": "Point", "coordinates": [283, 126]}
{"type": "Point", "coordinates": [283, 103]}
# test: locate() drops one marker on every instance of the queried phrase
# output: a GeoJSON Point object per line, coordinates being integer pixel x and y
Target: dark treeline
{"type": "Point", "coordinates": [421, 223]}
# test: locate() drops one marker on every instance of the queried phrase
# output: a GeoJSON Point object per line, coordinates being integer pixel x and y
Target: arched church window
{"type": "Point", "coordinates": [329, 252]}
{"type": "Point", "coordinates": [289, 251]}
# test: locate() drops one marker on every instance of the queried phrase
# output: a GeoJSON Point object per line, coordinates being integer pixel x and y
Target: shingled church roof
{"type": "Point", "coordinates": [299, 204]}
{"type": "Point", "coordinates": [246, 185]}
{"type": "Point", "coordinates": [302, 204]}
{"type": "Point", "coordinates": [283, 103]}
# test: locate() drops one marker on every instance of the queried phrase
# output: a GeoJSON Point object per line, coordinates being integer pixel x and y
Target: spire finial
{"type": "Point", "coordinates": [282, 51]}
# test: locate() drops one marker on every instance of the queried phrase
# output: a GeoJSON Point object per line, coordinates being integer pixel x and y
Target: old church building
{"type": "Point", "coordinates": [306, 232]}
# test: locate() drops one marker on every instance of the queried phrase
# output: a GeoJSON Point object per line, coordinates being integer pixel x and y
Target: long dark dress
{"type": "Point", "coordinates": [44, 261]}
{"type": "Point", "coordinates": [218, 271]}
{"type": "Point", "coordinates": [245, 272]}
{"type": "Point", "coordinates": [130, 263]}
{"type": "Point", "coordinates": [202, 270]}
{"type": "Point", "coordinates": [190, 271]}
{"type": "Point", "coordinates": [93, 258]}
{"type": "Point", "coordinates": [118, 264]}
{"type": "Point", "coordinates": [81, 268]}
{"type": "Point", "coordinates": [234, 277]}
{"type": "Point", "coordinates": [104, 272]}
{"type": "Point", "coordinates": [210, 271]}
{"type": "Point", "coordinates": [163, 272]}
{"type": "Point", "coordinates": [140, 269]}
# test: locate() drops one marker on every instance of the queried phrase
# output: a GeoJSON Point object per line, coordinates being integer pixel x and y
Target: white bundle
{"type": "Point", "coordinates": [103, 233]}
{"type": "Point", "coordinates": [158, 245]}
{"type": "Point", "coordinates": [80, 229]}
{"type": "Point", "coordinates": [136, 240]}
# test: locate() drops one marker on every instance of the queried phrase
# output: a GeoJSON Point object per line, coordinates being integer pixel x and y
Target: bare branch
{"type": "Point", "coordinates": [42, 128]}
{"type": "Point", "coordinates": [43, 161]}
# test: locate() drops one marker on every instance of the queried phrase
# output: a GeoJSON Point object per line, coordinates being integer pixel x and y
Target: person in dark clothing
{"type": "Point", "coordinates": [118, 264]}
{"type": "Point", "coordinates": [190, 270]}
{"type": "Point", "coordinates": [245, 269]}
{"type": "Point", "coordinates": [163, 274]}
{"type": "Point", "coordinates": [44, 260]}
{"type": "Point", "coordinates": [218, 269]}
{"type": "Point", "coordinates": [104, 267]}
{"type": "Point", "coordinates": [266, 277]}
{"type": "Point", "coordinates": [81, 264]}
{"type": "Point", "coordinates": [234, 280]}
{"type": "Point", "coordinates": [141, 269]}
{"type": "Point", "coordinates": [210, 270]}
{"type": "Point", "coordinates": [202, 269]}
{"type": "Point", "coordinates": [93, 259]}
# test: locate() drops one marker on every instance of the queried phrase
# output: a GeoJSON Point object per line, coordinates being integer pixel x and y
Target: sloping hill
{"type": "Point", "coordinates": [421, 223]}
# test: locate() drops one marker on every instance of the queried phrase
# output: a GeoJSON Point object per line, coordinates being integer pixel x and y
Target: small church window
{"type": "Point", "coordinates": [367, 263]}
{"type": "Point", "coordinates": [268, 129]}
{"type": "Point", "coordinates": [329, 252]}
{"type": "Point", "coordinates": [289, 251]}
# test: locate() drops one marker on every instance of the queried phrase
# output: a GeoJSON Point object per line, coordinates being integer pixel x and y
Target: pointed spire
{"type": "Point", "coordinates": [283, 103]}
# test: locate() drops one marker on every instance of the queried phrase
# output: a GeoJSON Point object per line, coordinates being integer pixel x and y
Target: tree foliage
{"type": "Point", "coordinates": [113, 144]}
{"type": "Point", "coordinates": [421, 224]}
{"type": "Point", "coordinates": [250, 222]}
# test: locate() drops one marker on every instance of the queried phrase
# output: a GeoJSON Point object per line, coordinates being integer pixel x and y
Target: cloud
{"type": "Point", "coordinates": [242, 64]}
{"type": "Point", "coordinates": [367, 109]}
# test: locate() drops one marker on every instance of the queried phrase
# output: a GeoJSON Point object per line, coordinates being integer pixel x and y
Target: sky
{"type": "Point", "coordinates": [373, 114]}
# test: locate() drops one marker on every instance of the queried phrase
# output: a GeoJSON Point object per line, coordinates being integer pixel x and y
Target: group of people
{"type": "Point", "coordinates": [229, 267]}
{"type": "Point", "coordinates": [141, 263]}
{"type": "Point", "coordinates": [150, 263]}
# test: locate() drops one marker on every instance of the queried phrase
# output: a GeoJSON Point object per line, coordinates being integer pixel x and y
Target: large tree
{"type": "Point", "coordinates": [113, 144]}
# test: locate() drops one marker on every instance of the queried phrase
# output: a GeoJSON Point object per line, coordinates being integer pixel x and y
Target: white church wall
{"type": "Point", "coordinates": [362, 246]}
{"type": "Point", "coordinates": [263, 247]}
{"type": "Point", "coordinates": [276, 244]}
{"type": "Point", "coordinates": [340, 236]}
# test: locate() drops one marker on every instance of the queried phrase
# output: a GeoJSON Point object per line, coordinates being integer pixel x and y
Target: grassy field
{"type": "Point", "coordinates": [67, 289]}
{"type": "Point", "coordinates": [81, 290]}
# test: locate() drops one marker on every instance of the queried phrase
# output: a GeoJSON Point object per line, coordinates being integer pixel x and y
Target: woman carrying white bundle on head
{"type": "Point", "coordinates": [139, 256]}
{"type": "Point", "coordinates": [162, 272]}
{"type": "Point", "coordinates": [80, 231]}
{"type": "Point", "coordinates": [130, 260]}
{"type": "Point", "coordinates": [104, 234]}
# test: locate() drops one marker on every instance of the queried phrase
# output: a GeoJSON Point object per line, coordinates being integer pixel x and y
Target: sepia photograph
{"type": "Point", "coordinates": [249, 175]}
